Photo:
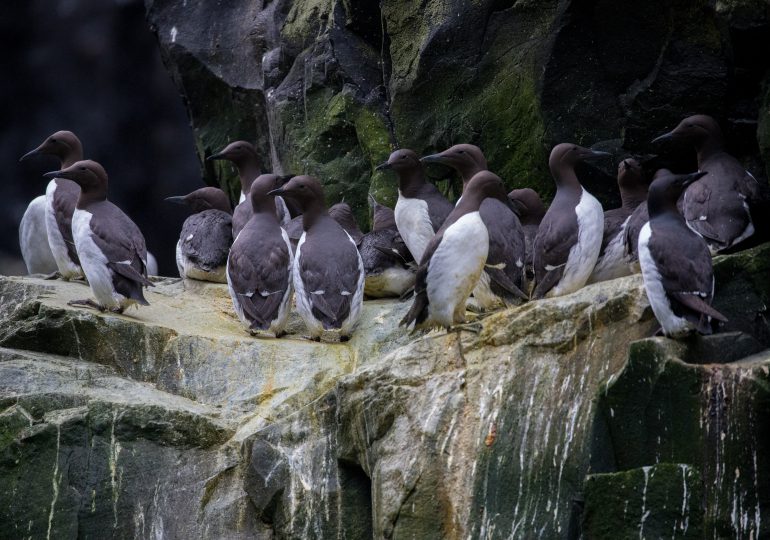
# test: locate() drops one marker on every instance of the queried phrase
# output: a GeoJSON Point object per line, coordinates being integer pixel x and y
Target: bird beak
{"type": "Point", "coordinates": [176, 200]}
{"type": "Point", "coordinates": [55, 174]}
{"type": "Point", "coordinates": [595, 154]}
{"type": "Point", "coordinates": [279, 191]}
{"type": "Point", "coordinates": [663, 138]}
{"type": "Point", "coordinates": [433, 158]}
{"type": "Point", "coordinates": [29, 154]}
{"type": "Point", "coordinates": [383, 166]}
{"type": "Point", "coordinates": [213, 157]}
{"type": "Point", "coordinates": [691, 178]}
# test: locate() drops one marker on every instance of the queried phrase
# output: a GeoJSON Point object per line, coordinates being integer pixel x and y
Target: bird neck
{"type": "Point", "coordinates": [73, 155]}
{"type": "Point", "coordinates": [263, 205]}
{"type": "Point", "coordinates": [410, 181]}
{"type": "Point", "coordinates": [312, 215]}
{"type": "Point", "coordinates": [248, 170]}
{"type": "Point", "coordinates": [468, 171]}
{"type": "Point", "coordinates": [91, 194]}
{"type": "Point", "coordinates": [633, 197]}
{"type": "Point", "coordinates": [662, 206]}
{"type": "Point", "coordinates": [711, 146]}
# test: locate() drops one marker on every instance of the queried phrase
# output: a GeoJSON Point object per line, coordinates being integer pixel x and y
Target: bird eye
{"type": "Point", "coordinates": [82, 168]}
{"type": "Point", "coordinates": [54, 141]}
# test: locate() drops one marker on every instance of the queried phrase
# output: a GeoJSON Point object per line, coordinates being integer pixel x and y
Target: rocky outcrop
{"type": "Point", "coordinates": [329, 87]}
{"type": "Point", "coordinates": [557, 418]}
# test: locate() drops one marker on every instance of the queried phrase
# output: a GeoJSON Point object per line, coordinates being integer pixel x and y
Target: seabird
{"type": "Point", "coordinates": [454, 259]}
{"type": "Point", "coordinates": [613, 259]}
{"type": "Point", "coordinates": [420, 208]}
{"type": "Point", "coordinates": [201, 251]}
{"type": "Point", "coordinates": [570, 236]}
{"type": "Point", "coordinates": [51, 231]}
{"type": "Point", "coordinates": [328, 272]}
{"type": "Point", "coordinates": [111, 247]}
{"type": "Point", "coordinates": [246, 159]}
{"type": "Point", "coordinates": [676, 263]}
{"type": "Point", "coordinates": [716, 206]}
{"type": "Point", "coordinates": [342, 214]}
{"type": "Point", "coordinates": [260, 264]}
{"type": "Point", "coordinates": [388, 264]}
{"type": "Point", "coordinates": [530, 209]}
{"type": "Point", "coordinates": [504, 277]}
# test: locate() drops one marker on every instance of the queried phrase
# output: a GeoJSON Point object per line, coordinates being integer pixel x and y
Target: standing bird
{"type": "Point", "coordinates": [246, 159]}
{"type": "Point", "coordinates": [260, 264]}
{"type": "Point", "coordinates": [454, 259]}
{"type": "Point", "coordinates": [504, 277]}
{"type": "Point", "coordinates": [570, 235]}
{"type": "Point", "coordinates": [636, 221]}
{"type": "Point", "coordinates": [421, 208]}
{"type": "Point", "coordinates": [716, 206]}
{"type": "Point", "coordinates": [613, 259]}
{"type": "Point", "coordinates": [203, 245]}
{"type": "Point", "coordinates": [111, 247]}
{"type": "Point", "coordinates": [388, 265]}
{"type": "Point", "coordinates": [328, 272]}
{"type": "Point", "coordinates": [530, 209]}
{"type": "Point", "coordinates": [46, 227]}
{"type": "Point", "coordinates": [342, 214]}
{"type": "Point", "coordinates": [676, 263]}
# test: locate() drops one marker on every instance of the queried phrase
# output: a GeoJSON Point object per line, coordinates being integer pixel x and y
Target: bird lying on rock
{"type": "Point", "coordinates": [388, 264]}
{"type": "Point", "coordinates": [111, 247]}
{"type": "Point", "coordinates": [570, 236]}
{"type": "Point", "coordinates": [717, 206]}
{"type": "Point", "coordinates": [420, 209]}
{"type": "Point", "coordinates": [530, 209]}
{"type": "Point", "coordinates": [613, 260]}
{"type": "Point", "coordinates": [47, 224]}
{"type": "Point", "coordinates": [259, 266]}
{"type": "Point", "coordinates": [676, 263]}
{"type": "Point", "coordinates": [203, 245]}
{"type": "Point", "coordinates": [328, 272]}
{"type": "Point", "coordinates": [503, 280]}
{"type": "Point", "coordinates": [454, 259]}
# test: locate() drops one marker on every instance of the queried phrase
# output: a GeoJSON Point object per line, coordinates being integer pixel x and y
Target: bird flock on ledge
{"type": "Point", "coordinates": [489, 250]}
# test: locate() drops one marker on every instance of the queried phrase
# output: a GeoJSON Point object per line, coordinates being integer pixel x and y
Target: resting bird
{"type": "Point", "coordinates": [203, 245]}
{"type": "Point", "coordinates": [676, 263]}
{"type": "Point", "coordinates": [717, 206]}
{"type": "Point", "coordinates": [260, 263]}
{"type": "Point", "coordinates": [111, 247]}
{"type": "Point", "coordinates": [328, 272]}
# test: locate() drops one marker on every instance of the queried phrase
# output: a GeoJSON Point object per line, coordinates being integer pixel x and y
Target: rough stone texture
{"type": "Point", "coordinates": [173, 422]}
{"type": "Point", "coordinates": [329, 87]}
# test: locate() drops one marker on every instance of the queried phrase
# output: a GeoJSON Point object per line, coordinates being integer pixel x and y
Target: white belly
{"type": "Point", "coordinates": [483, 297]}
{"type": "Point", "coordinates": [614, 263]}
{"type": "Point", "coordinates": [672, 324]}
{"type": "Point", "coordinates": [583, 255]}
{"type": "Point", "coordinates": [67, 268]}
{"type": "Point", "coordinates": [393, 281]}
{"type": "Point", "coordinates": [357, 302]}
{"type": "Point", "coordinates": [33, 239]}
{"type": "Point", "coordinates": [302, 297]}
{"type": "Point", "coordinates": [152, 265]}
{"type": "Point", "coordinates": [188, 269]}
{"type": "Point", "coordinates": [413, 223]}
{"type": "Point", "coordinates": [455, 268]}
{"type": "Point", "coordinates": [94, 264]}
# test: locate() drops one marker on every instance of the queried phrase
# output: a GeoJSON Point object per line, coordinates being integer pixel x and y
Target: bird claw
{"type": "Point", "coordinates": [52, 275]}
{"type": "Point", "coordinates": [87, 303]}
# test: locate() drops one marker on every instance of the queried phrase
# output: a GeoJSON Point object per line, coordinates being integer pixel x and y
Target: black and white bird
{"type": "Point", "coordinates": [676, 263]}
{"type": "Point", "coordinates": [111, 247]}
{"type": "Point", "coordinates": [206, 237]}
{"type": "Point", "coordinates": [246, 159]}
{"type": "Point", "coordinates": [613, 259]}
{"type": "Point", "coordinates": [530, 209]}
{"type": "Point", "coordinates": [639, 217]}
{"type": "Point", "coordinates": [717, 206]}
{"type": "Point", "coordinates": [570, 236]}
{"type": "Point", "coordinates": [45, 232]}
{"type": "Point", "coordinates": [504, 279]}
{"type": "Point", "coordinates": [420, 208]}
{"type": "Point", "coordinates": [259, 266]}
{"type": "Point", "coordinates": [454, 259]}
{"type": "Point", "coordinates": [388, 264]}
{"type": "Point", "coordinates": [328, 272]}
{"type": "Point", "coordinates": [343, 214]}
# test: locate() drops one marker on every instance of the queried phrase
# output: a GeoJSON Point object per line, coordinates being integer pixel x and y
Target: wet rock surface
{"type": "Point", "coordinates": [559, 418]}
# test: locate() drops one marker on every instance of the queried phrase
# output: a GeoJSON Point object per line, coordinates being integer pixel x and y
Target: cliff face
{"type": "Point", "coordinates": [329, 87]}
{"type": "Point", "coordinates": [558, 417]}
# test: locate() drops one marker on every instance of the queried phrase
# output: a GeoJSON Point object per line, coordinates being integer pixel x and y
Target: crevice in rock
{"type": "Point", "coordinates": [356, 501]}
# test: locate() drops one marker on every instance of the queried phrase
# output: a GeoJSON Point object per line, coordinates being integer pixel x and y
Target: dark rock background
{"type": "Point", "coordinates": [94, 68]}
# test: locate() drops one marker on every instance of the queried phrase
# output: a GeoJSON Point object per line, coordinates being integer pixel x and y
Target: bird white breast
{"type": "Point", "coordinates": [614, 263]}
{"type": "Point", "coordinates": [242, 197]}
{"type": "Point", "coordinates": [284, 310]}
{"type": "Point", "coordinates": [33, 239]}
{"type": "Point", "coordinates": [393, 281]}
{"type": "Point", "coordinates": [152, 265]}
{"type": "Point", "coordinates": [67, 268]}
{"type": "Point", "coordinates": [304, 304]}
{"type": "Point", "coordinates": [672, 324]}
{"type": "Point", "coordinates": [583, 255]}
{"type": "Point", "coordinates": [94, 263]}
{"type": "Point", "coordinates": [188, 269]}
{"type": "Point", "coordinates": [484, 298]}
{"type": "Point", "coordinates": [413, 223]}
{"type": "Point", "coordinates": [455, 268]}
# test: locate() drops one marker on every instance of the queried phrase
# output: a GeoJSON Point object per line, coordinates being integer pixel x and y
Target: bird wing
{"type": "Point", "coordinates": [206, 238]}
{"type": "Point", "coordinates": [505, 258]}
{"type": "Point", "coordinates": [63, 204]}
{"type": "Point", "coordinates": [555, 238]}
